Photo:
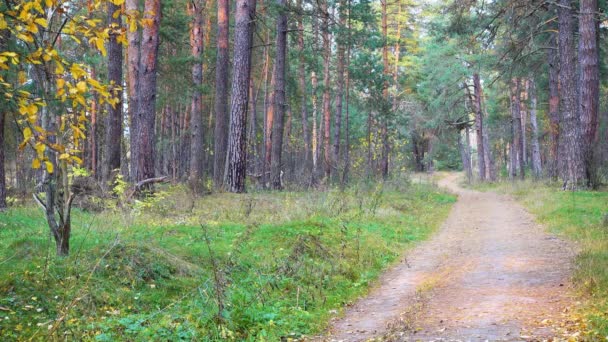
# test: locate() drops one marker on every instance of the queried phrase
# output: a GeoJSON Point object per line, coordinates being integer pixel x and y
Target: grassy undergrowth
{"type": "Point", "coordinates": [259, 266]}
{"type": "Point", "coordinates": [579, 216]}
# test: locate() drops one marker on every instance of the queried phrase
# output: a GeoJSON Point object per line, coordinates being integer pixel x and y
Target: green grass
{"type": "Point", "coordinates": [284, 262]}
{"type": "Point", "coordinates": [578, 216]}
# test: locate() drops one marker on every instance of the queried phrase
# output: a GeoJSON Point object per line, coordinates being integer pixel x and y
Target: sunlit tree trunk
{"type": "Point", "coordinates": [195, 10]}
{"type": "Point", "coordinates": [385, 94]}
{"type": "Point", "coordinates": [221, 92]}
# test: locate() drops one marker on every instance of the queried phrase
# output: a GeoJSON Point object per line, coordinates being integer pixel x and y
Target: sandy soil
{"type": "Point", "coordinates": [490, 273]}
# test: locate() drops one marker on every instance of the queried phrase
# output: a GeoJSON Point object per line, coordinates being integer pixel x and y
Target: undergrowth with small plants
{"type": "Point", "coordinates": [260, 266]}
{"type": "Point", "coordinates": [581, 216]}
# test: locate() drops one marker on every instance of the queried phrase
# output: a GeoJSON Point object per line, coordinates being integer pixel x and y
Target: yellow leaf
{"type": "Point", "coordinates": [60, 83]}
{"type": "Point", "coordinates": [64, 156]}
{"type": "Point", "coordinates": [81, 86]}
{"type": "Point", "coordinates": [36, 163]}
{"type": "Point", "coordinates": [49, 166]}
{"type": "Point", "coordinates": [22, 77]}
{"type": "Point", "coordinates": [117, 2]}
{"type": "Point", "coordinates": [41, 21]}
{"type": "Point", "coordinates": [27, 133]}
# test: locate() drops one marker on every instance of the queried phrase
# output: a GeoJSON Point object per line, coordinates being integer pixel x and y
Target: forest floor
{"type": "Point", "coordinates": [490, 273]}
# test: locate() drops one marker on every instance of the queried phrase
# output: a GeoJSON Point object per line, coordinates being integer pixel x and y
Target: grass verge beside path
{"type": "Point", "coordinates": [259, 266]}
{"type": "Point", "coordinates": [579, 216]}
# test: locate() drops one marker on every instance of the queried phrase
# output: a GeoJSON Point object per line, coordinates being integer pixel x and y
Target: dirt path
{"type": "Point", "coordinates": [490, 273]}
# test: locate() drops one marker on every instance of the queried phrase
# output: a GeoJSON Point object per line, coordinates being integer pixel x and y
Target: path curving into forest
{"type": "Point", "coordinates": [490, 273]}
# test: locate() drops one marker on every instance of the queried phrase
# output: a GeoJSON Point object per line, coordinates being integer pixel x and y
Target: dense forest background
{"type": "Point", "coordinates": [229, 96]}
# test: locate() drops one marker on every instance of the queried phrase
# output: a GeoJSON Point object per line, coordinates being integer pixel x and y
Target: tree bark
{"type": "Point", "coordinates": [536, 162]}
{"type": "Point", "coordinates": [554, 115]}
{"type": "Point", "coordinates": [302, 85]}
{"type": "Point", "coordinates": [133, 57]}
{"type": "Point", "coordinates": [278, 98]}
{"type": "Point", "coordinates": [385, 93]}
{"type": "Point", "coordinates": [347, 104]}
{"type": "Point", "coordinates": [481, 161]}
{"type": "Point", "coordinates": [572, 131]}
{"type": "Point", "coordinates": [516, 141]}
{"type": "Point", "coordinates": [195, 10]}
{"type": "Point", "coordinates": [146, 113]}
{"type": "Point", "coordinates": [589, 83]}
{"type": "Point", "coordinates": [326, 91]}
{"type": "Point", "coordinates": [221, 92]}
{"type": "Point", "coordinates": [339, 96]}
{"type": "Point", "coordinates": [113, 136]}
{"type": "Point", "coordinates": [487, 150]}
{"type": "Point", "coordinates": [237, 139]}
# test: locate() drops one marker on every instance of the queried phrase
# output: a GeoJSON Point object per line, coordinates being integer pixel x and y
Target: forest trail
{"type": "Point", "coordinates": [490, 273]}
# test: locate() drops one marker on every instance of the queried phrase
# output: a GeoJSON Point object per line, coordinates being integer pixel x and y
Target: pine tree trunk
{"type": "Point", "coordinates": [347, 104]}
{"type": "Point", "coordinates": [536, 162]}
{"type": "Point", "coordinates": [113, 134]}
{"type": "Point", "coordinates": [237, 139]}
{"type": "Point", "coordinates": [385, 94]}
{"type": "Point", "coordinates": [554, 115]}
{"type": "Point", "coordinates": [589, 83]}
{"type": "Point", "coordinates": [302, 86]}
{"type": "Point", "coordinates": [516, 142]}
{"type": "Point", "coordinates": [339, 96]}
{"type": "Point", "coordinates": [133, 57]}
{"type": "Point", "coordinates": [481, 161]}
{"type": "Point", "coordinates": [278, 98]}
{"type": "Point", "coordinates": [221, 92]}
{"type": "Point", "coordinates": [195, 10]}
{"type": "Point", "coordinates": [572, 131]}
{"type": "Point", "coordinates": [146, 113]}
{"type": "Point", "coordinates": [487, 150]}
{"type": "Point", "coordinates": [326, 89]}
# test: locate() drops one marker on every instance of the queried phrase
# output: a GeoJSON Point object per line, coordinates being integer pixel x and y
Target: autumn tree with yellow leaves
{"type": "Point", "coordinates": [49, 94]}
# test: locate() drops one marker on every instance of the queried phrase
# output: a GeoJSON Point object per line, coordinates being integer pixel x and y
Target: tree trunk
{"type": "Point", "coordinates": [554, 115]}
{"type": "Point", "coordinates": [302, 85]}
{"type": "Point", "coordinates": [516, 140]}
{"type": "Point", "coordinates": [572, 131]}
{"type": "Point", "coordinates": [385, 93]}
{"type": "Point", "coordinates": [347, 100]}
{"type": "Point", "coordinates": [195, 10]}
{"type": "Point", "coordinates": [536, 162]}
{"type": "Point", "coordinates": [253, 129]}
{"type": "Point", "coordinates": [481, 161]}
{"type": "Point", "coordinates": [589, 83]}
{"type": "Point", "coordinates": [113, 136]}
{"type": "Point", "coordinates": [133, 57]}
{"type": "Point", "coordinates": [2, 169]}
{"type": "Point", "coordinates": [237, 139]}
{"type": "Point", "coordinates": [221, 92]}
{"type": "Point", "coordinates": [326, 89]}
{"type": "Point", "coordinates": [487, 150]}
{"type": "Point", "coordinates": [339, 96]}
{"type": "Point", "coordinates": [146, 113]}
{"type": "Point", "coordinates": [524, 115]}
{"type": "Point", "coordinates": [278, 98]}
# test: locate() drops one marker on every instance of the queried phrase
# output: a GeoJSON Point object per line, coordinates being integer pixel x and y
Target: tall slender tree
{"type": "Point", "coordinates": [278, 97]}
{"type": "Point", "coordinates": [113, 134]}
{"type": "Point", "coordinates": [222, 118]}
{"type": "Point", "coordinates": [571, 129]}
{"type": "Point", "coordinates": [197, 141]}
{"type": "Point", "coordinates": [241, 71]}
{"type": "Point", "coordinates": [146, 102]}
{"type": "Point", "coordinates": [2, 169]}
{"type": "Point", "coordinates": [589, 83]}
